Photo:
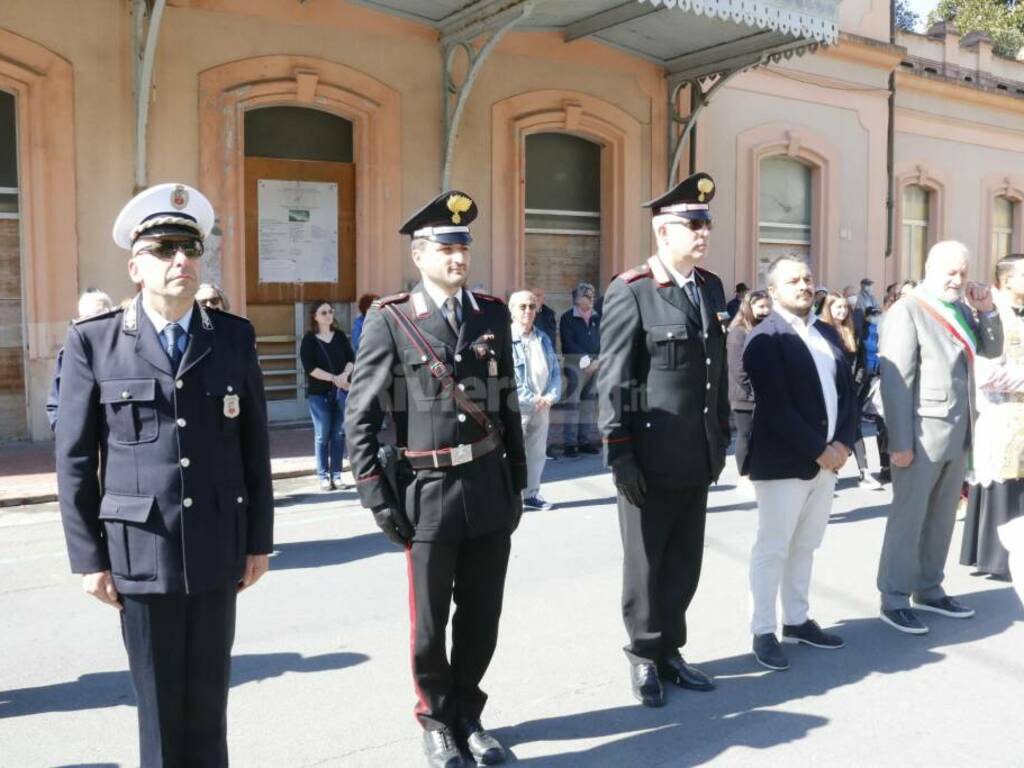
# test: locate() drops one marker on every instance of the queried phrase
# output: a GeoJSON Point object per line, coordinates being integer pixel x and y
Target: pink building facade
{"type": "Point", "coordinates": [558, 122]}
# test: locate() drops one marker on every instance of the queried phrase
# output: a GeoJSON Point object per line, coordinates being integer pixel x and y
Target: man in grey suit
{"type": "Point", "coordinates": [928, 345]}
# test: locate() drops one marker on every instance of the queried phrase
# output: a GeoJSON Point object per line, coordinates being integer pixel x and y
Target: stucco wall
{"type": "Point", "coordinates": [98, 49]}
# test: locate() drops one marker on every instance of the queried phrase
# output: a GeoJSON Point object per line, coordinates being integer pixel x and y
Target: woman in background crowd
{"type": "Point", "coordinates": [327, 358]}
{"type": "Point", "coordinates": [836, 312]}
{"type": "Point", "coordinates": [755, 307]}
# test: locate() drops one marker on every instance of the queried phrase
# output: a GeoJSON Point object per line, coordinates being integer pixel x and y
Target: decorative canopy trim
{"type": "Point", "coordinates": [814, 19]}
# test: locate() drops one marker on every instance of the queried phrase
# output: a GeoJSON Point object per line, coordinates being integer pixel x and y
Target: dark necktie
{"type": "Point", "coordinates": [451, 314]}
{"type": "Point", "coordinates": [692, 294]}
{"type": "Point", "coordinates": [174, 343]}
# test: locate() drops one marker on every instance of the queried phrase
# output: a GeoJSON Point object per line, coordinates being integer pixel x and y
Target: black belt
{"type": "Point", "coordinates": [451, 457]}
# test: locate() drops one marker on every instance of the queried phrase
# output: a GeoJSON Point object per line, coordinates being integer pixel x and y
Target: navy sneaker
{"type": "Point", "coordinates": [810, 633]}
{"type": "Point", "coordinates": [905, 620]}
{"type": "Point", "coordinates": [946, 606]}
{"type": "Point", "coordinates": [536, 502]}
{"type": "Point", "coordinates": [769, 653]}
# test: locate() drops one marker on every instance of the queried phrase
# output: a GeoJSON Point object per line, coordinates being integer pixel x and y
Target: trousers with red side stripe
{"type": "Point", "coordinates": [471, 572]}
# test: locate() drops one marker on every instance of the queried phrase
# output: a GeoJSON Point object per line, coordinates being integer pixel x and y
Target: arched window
{"type": "Point", "coordinates": [784, 211]}
{"type": "Point", "coordinates": [563, 215]}
{"type": "Point", "coordinates": [13, 413]}
{"type": "Point", "coordinates": [1003, 217]}
{"type": "Point", "coordinates": [915, 234]}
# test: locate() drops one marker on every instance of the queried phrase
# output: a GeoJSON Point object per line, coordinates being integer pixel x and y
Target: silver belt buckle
{"type": "Point", "coordinates": [461, 454]}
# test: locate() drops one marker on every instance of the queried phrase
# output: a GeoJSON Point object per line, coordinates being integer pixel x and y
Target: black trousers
{"type": "Point", "coordinates": [472, 572]}
{"type": "Point", "coordinates": [179, 654]}
{"type": "Point", "coordinates": [663, 545]}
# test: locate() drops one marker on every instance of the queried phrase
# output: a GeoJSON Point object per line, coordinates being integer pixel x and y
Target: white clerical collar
{"type": "Point", "coordinates": [792, 319]}
{"type": "Point", "coordinates": [438, 296]}
{"type": "Point", "coordinates": [160, 322]}
{"type": "Point", "coordinates": [680, 279]}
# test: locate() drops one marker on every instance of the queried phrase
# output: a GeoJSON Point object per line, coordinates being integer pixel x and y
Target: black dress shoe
{"type": "Point", "coordinates": [646, 686]}
{"type": "Point", "coordinates": [589, 448]}
{"type": "Point", "coordinates": [441, 750]}
{"type": "Point", "coordinates": [485, 749]}
{"type": "Point", "coordinates": [677, 671]}
{"type": "Point", "coordinates": [571, 452]}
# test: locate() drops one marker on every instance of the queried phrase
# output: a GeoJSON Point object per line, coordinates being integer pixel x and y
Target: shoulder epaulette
{"type": "Point", "coordinates": [100, 316]}
{"type": "Point", "coordinates": [394, 298]}
{"type": "Point", "coordinates": [634, 274]}
{"type": "Point", "coordinates": [487, 297]}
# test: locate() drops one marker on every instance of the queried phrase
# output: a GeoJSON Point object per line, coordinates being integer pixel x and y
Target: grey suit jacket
{"type": "Point", "coordinates": [926, 382]}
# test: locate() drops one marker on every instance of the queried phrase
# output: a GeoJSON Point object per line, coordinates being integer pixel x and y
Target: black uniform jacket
{"type": "Point", "coordinates": [663, 384]}
{"type": "Point", "coordinates": [392, 376]}
{"type": "Point", "coordinates": [163, 479]}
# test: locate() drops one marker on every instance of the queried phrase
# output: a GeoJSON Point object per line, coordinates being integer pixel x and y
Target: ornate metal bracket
{"type": "Point", "coordinates": [494, 19]}
{"type": "Point", "coordinates": [145, 34]}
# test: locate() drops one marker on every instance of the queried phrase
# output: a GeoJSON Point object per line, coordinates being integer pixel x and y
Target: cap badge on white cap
{"type": "Point", "coordinates": [179, 197]}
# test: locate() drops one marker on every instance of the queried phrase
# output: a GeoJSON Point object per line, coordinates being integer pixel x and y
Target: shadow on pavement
{"type": "Point", "coordinates": [587, 502]}
{"type": "Point", "coordinates": [859, 514]}
{"type": "Point", "coordinates": [319, 552]}
{"type": "Point", "coordinates": [313, 497]}
{"type": "Point", "coordinates": [110, 689]}
{"type": "Point", "coordinates": [694, 728]}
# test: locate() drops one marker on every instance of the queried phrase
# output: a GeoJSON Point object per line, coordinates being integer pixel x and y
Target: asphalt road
{"type": "Point", "coordinates": [321, 673]}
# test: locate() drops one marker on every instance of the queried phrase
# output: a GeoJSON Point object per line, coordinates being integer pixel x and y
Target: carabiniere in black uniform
{"type": "Point", "coordinates": [452, 396]}
{"type": "Point", "coordinates": [664, 417]}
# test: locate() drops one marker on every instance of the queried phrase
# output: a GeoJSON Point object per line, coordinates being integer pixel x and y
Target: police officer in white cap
{"type": "Point", "coordinates": [163, 469]}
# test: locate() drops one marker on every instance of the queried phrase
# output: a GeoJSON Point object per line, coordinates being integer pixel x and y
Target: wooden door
{"type": "Point", "coordinates": [278, 310]}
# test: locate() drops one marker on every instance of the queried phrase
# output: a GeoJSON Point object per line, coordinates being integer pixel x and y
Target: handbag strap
{"type": "Point", "coordinates": [439, 370]}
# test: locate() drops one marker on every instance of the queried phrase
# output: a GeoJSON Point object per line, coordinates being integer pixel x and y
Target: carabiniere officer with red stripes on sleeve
{"type": "Point", "coordinates": [439, 361]}
{"type": "Point", "coordinates": [664, 418]}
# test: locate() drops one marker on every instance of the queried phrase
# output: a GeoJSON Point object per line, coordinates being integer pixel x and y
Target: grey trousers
{"type": "Point", "coordinates": [919, 529]}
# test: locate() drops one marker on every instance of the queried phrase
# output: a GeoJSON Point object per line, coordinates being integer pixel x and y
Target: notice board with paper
{"type": "Point", "coordinates": [299, 230]}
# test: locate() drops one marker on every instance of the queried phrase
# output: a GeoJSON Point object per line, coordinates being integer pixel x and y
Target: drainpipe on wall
{"type": "Point", "coordinates": [890, 202]}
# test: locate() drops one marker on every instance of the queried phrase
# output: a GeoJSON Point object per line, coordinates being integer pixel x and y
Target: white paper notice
{"type": "Point", "coordinates": [298, 231]}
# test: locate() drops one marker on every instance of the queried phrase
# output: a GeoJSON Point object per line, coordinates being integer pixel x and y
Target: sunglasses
{"type": "Point", "coordinates": [212, 303]}
{"type": "Point", "coordinates": [526, 306]}
{"type": "Point", "coordinates": [695, 225]}
{"type": "Point", "coordinates": [192, 249]}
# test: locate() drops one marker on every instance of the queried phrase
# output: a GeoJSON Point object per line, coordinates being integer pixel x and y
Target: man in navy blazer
{"type": "Point", "coordinates": [805, 419]}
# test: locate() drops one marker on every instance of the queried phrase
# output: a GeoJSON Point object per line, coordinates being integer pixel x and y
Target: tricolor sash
{"type": "Point", "coordinates": [950, 317]}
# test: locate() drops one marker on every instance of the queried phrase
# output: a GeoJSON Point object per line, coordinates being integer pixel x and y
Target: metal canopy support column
{"type": "Point", "coordinates": [494, 17]}
{"type": "Point", "coordinates": [703, 89]}
{"type": "Point", "coordinates": [144, 38]}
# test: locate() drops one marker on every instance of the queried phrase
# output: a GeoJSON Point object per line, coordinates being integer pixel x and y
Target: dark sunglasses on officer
{"type": "Point", "coordinates": [168, 249]}
{"type": "Point", "coordinates": [695, 225]}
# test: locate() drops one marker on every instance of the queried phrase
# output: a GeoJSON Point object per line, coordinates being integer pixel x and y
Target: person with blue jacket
{"type": "Point", "coordinates": [539, 384]}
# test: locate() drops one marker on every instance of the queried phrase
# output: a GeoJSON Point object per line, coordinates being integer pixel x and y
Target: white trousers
{"type": "Point", "coordinates": [791, 520]}
{"type": "Point", "coordinates": [535, 443]}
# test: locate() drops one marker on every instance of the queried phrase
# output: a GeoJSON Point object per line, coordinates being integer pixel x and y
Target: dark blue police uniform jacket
{"type": "Point", "coordinates": [160, 480]}
{"type": "Point", "coordinates": [790, 427]}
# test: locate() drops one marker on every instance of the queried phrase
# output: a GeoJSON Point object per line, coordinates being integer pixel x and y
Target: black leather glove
{"type": "Point", "coordinates": [394, 525]}
{"type": "Point", "coordinates": [517, 511]}
{"type": "Point", "coordinates": [629, 480]}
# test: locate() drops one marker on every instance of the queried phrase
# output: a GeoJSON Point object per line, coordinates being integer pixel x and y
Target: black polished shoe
{"type": "Point", "coordinates": [441, 750]}
{"type": "Point", "coordinates": [769, 653]}
{"type": "Point", "coordinates": [571, 452]}
{"type": "Point", "coordinates": [590, 448]}
{"type": "Point", "coordinates": [485, 749]}
{"type": "Point", "coordinates": [677, 671]}
{"type": "Point", "coordinates": [646, 686]}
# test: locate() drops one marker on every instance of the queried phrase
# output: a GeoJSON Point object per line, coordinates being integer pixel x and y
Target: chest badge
{"type": "Point", "coordinates": [231, 407]}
